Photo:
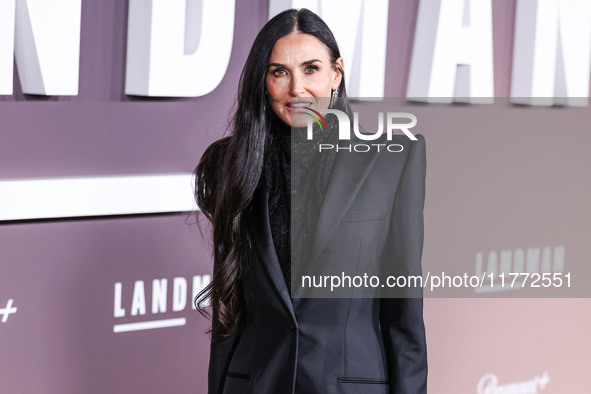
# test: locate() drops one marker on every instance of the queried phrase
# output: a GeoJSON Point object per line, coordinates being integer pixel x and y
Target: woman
{"type": "Point", "coordinates": [263, 340]}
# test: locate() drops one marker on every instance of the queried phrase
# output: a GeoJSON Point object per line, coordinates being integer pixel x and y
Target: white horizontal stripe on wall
{"type": "Point", "coordinates": [95, 196]}
{"type": "Point", "coordinates": [149, 325]}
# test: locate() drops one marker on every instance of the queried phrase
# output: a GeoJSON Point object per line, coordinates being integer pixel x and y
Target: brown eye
{"type": "Point", "coordinates": [311, 69]}
{"type": "Point", "coordinates": [279, 72]}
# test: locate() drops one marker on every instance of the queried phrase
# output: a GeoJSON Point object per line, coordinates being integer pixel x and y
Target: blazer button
{"type": "Point", "coordinates": [290, 324]}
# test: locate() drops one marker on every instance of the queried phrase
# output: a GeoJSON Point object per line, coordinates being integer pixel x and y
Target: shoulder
{"type": "Point", "coordinates": [209, 170]}
{"type": "Point", "coordinates": [405, 163]}
{"type": "Point", "coordinates": [417, 148]}
{"type": "Point", "coordinates": [415, 158]}
{"type": "Point", "coordinates": [409, 144]}
{"type": "Point", "coordinates": [401, 149]}
{"type": "Point", "coordinates": [215, 152]}
{"type": "Point", "coordinates": [212, 159]}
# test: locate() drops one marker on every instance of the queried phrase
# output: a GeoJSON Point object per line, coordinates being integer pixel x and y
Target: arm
{"type": "Point", "coordinates": [401, 319]}
{"type": "Point", "coordinates": [209, 173]}
{"type": "Point", "coordinates": [220, 354]}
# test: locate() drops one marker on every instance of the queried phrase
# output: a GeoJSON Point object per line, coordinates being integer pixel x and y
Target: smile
{"type": "Point", "coordinates": [298, 106]}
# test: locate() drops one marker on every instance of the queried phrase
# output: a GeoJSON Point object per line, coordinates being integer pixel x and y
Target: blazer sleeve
{"type": "Point", "coordinates": [401, 319]}
{"type": "Point", "coordinates": [220, 354]}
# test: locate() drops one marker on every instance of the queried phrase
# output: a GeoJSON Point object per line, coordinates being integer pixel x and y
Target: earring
{"type": "Point", "coordinates": [333, 99]}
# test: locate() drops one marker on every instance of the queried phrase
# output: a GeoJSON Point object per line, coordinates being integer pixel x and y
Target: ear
{"type": "Point", "coordinates": [337, 73]}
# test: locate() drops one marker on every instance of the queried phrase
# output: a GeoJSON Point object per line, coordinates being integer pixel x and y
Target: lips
{"type": "Point", "coordinates": [298, 105]}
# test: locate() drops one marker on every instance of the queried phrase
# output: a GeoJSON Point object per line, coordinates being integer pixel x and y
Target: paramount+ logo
{"type": "Point", "coordinates": [389, 123]}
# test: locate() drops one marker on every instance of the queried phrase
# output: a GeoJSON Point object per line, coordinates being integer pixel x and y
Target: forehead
{"type": "Point", "coordinates": [298, 47]}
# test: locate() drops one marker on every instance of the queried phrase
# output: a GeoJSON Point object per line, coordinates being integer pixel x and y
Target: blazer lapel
{"type": "Point", "coordinates": [264, 247]}
{"type": "Point", "coordinates": [349, 172]}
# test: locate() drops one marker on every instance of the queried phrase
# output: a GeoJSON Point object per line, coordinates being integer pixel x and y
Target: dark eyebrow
{"type": "Point", "coordinates": [306, 63]}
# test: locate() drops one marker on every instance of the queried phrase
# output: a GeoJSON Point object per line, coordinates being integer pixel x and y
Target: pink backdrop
{"type": "Point", "coordinates": [490, 187]}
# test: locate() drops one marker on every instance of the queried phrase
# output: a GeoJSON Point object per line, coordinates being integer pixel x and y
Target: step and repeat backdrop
{"type": "Point", "coordinates": [106, 107]}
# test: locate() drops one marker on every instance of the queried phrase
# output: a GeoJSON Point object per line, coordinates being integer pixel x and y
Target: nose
{"type": "Point", "coordinates": [296, 86]}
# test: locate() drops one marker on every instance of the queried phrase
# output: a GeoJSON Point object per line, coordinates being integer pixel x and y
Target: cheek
{"type": "Point", "coordinates": [277, 89]}
{"type": "Point", "coordinates": [322, 85]}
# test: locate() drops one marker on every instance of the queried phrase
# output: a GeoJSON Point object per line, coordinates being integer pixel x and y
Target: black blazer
{"type": "Point", "coordinates": [336, 345]}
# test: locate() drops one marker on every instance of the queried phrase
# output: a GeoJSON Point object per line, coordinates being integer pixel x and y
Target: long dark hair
{"type": "Point", "coordinates": [230, 169]}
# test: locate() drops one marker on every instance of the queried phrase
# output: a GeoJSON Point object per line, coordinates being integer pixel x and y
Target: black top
{"type": "Point", "coordinates": [296, 175]}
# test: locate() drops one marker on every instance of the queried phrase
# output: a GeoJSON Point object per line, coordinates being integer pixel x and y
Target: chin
{"type": "Point", "coordinates": [299, 120]}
